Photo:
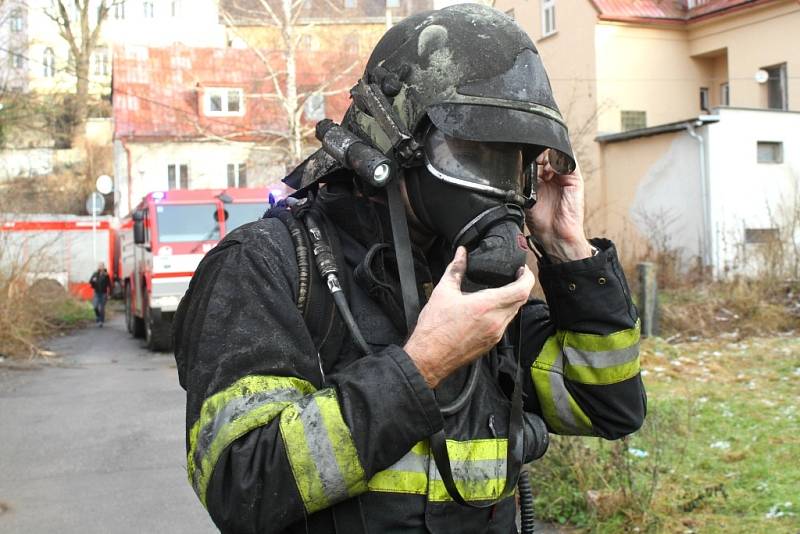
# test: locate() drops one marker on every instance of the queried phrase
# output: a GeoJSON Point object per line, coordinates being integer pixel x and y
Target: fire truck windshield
{"type": "Point", "coordinates": [242, 213]}
{"type": "Point", "coordinates": [181, 223]}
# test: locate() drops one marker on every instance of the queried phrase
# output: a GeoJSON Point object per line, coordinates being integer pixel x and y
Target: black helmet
{"type": "Point", "coordinates": [468, 69]}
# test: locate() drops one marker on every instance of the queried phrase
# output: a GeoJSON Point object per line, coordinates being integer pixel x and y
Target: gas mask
{"type": "Point", "coordinates": [474, 194]}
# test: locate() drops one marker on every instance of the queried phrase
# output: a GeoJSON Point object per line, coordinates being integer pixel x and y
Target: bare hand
{"type": "Point", "coordinates": [557, 217]}
{"type": "Point", "coordinates": [456, 328]}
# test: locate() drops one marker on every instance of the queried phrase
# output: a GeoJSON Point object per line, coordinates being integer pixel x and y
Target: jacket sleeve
{"type": "Point", "coordinates": [268, 442]}
{"type": "Point", "coordinates": [585, 370]}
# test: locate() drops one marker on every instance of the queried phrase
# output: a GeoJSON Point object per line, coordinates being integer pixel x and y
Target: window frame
{"type": "Point", "coordinates": [177, 176]}
{"type": "Point", "coordinates": [622, 119]}
{"type": "Point", "coordinates": [705, 99]}
{"type": "Point", "coordinates": [783, 85]}
{"type": "Point", "coordinates": [773, 145]}
{"type": "Point", "coordinates": [236, 174]}
{"type": "Point", "coordinates": [16, 22]}
{"type": "Point", "coordinates": [548, 14]}
{"type": "Point", "coordinates": [223, 93]}
{"type": "Point", "coordinates": [48, 63]}
{"type": "Point", "coordinates": [725, 94]}
{"type": "Point", "coordinates": [119, 10]}
{"type": "Point", "coordinates": [151, 12]}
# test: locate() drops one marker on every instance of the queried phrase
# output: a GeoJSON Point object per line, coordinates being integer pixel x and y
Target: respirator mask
{"type": "Point", "coordinates": [474, 195]}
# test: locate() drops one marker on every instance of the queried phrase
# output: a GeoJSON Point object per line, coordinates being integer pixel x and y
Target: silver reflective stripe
{"type": "Point", "coordinates": [411, 462]}
{"type": "Point", "coordinates": [477, 470]}
{"type": "Point", "coordinates": [233, 410]}
{"type": "Point", "coordinates": [561, 397]}
{"type": "Point", "coordinates": [321, 450]}
{"type": "Point", "coordinates": [601, 359]}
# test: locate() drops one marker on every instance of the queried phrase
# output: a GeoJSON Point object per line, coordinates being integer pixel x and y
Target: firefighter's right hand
{"type": "Point", "coordinates": [456, 328]}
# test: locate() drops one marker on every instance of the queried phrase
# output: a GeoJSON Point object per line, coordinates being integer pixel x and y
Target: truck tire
{"type": "Point", "coordinates": [134, 324]}
{"type": "Point", "coordinates": [157, 333]}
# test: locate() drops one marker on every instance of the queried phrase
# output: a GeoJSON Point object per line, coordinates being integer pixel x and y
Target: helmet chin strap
{"type": "Point", "coordinates": [403, 253]}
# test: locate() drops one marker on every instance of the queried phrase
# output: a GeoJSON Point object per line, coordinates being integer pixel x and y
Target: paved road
{"type": "Point", "coordinates": [96, 444]}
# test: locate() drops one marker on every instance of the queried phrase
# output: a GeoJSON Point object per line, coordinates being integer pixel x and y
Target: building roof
{"type": "Point", "coordinates": [253, 13]}
{"type": "Point", "coordinates": [702, 120]}
{"type": "Point", "coordinates": [156, 92]}
{"type": "Point", "coordinates": [675, 11]}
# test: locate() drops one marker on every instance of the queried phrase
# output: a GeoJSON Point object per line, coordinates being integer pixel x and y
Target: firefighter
{"type": "Point", "coordinates": [319, 397]}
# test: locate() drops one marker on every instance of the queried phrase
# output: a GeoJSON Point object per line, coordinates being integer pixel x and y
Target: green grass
{"type": "Point", "coordinates": [72, 312]}
{"type": "Point", "coordinates": [719, 451]}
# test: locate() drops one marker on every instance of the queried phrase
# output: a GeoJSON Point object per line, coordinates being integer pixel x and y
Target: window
{"type": "Point", "coordinates": [770, 152]}
{"type": "Point", "coordinates": [119, 9]}
{"type": "Point", "coordinates": [100, 62]}
{"type": "Point", "coordinates": [15, 61]}
{"type": "Point", "coordinates": [149, 9]}
{"type": "Point", "coordinates": [725, 94]}
{"type": "Point", "coordinates": [221, 101]}
{"type": "Point", "coordinates": [242, 213]}
{"type": "Point", "coordinates": [49, 63]}
{"type": "Point", "coordinates": [350, 4]}
{"type": "Point", "coordinates": [237, 175]}
{"type": "Point", "coordinates": [704, 103]}
{"type": "Point", "coordinates": [548, 17]}
{"type": "Point", "coordinates": [633, 120]}
{"type": "Point", "coordinates": [182, 223]}
{"type": "Point", "coordinates": [15, 20]}
{"type": "Point", "coordinates": [776, 87]}
{"type": "Point", "coordinates": [175, 8]}
{"type": "Point", "coordinates": [392, 3]}
{"type": "Point", "coordinates": [760, 235]}
{"type": "Point", "coordinates": [178, 176]}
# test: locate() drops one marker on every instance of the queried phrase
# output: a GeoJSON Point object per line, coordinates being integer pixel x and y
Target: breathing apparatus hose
{"type": "Point", "coordinates": [525, 487]}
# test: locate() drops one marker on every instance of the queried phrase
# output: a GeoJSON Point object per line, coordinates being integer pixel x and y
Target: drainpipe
{"type": "Point", "coordinates": [706, 239]}
{"type": "Point", "coordinates": [130, 171]}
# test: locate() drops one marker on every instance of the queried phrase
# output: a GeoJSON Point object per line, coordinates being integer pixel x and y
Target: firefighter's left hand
{"type": "Point", "coordinates": [557, 217]}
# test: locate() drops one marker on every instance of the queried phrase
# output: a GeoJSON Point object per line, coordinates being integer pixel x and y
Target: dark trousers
{"type": "Point", "coordinates": [99, 303]}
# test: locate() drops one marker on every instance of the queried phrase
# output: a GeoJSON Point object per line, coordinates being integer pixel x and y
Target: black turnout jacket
{"type": "Point", "coordinates": [278, 437]}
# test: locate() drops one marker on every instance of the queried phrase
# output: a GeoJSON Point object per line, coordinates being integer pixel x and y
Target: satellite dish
{"type": "Point", "coordinates": [762, 76]}
{"type": "Point", "coordinates": [104, 184]}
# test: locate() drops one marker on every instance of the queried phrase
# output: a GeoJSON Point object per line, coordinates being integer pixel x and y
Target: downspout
{"type": "Point", "coordinates": [127, 150]}
{"type": "Point", "coordinates": [706, 240]}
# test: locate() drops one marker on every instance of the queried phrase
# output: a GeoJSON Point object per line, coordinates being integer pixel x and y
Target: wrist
{"type": "Point", "coordinates": [427, 366]}
{"type": "Point", "coordinates": [563, 250]}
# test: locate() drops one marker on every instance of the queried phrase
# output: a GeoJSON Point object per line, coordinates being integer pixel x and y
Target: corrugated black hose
{"type": "Point", "coordinates": [525, 487]}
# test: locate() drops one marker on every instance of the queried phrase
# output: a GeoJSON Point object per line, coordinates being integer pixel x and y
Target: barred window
{"type": "Point", "coordinates": [633, 120]}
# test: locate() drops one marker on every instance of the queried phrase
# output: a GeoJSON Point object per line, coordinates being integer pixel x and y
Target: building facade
{"type": "Point", "coordinates": [38, 59]}
{"type": "Point", "coordinates": [634, 78]}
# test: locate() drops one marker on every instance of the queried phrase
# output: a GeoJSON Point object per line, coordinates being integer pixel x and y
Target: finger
{"type": "Point", "coordinates": [516, 293]}
{"type": "Point", "coordinates": [454, 274]}
{"type": "Point", "coordinates": [541, 159]}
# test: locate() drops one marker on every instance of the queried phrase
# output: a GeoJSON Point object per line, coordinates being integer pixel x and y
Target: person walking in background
{"type": "Point", "coordinates": [101, 284]}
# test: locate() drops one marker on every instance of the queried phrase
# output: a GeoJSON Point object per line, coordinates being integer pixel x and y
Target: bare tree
{"type": "Point", "coordinates": [79, 25]}
{"type": "Point", "coordinates": [284, 18]}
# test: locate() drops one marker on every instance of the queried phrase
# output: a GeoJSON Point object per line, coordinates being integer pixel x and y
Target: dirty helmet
{"type": "Point", "coordinates": [470, 71]}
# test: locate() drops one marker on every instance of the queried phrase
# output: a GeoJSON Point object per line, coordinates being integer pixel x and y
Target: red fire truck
{"type": "Point", "coordinates": [161, 243]}
{"type": "Point", "coordinates": [62, 248]}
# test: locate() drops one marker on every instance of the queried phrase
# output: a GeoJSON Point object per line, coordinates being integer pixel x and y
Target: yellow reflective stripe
{"type": "Point", "coordinates": [321, 451]}
{"type": "Point", "coordinates": [479, 470]}
{"type": "Point", "coordinates": [602, 360]}
{"type": "Point", "coordinates": [471, 490]}
{"type": "Point", "coordinates": [250, 402]}
{"type": "Point", "coordinates": [559, 409]}
{"type": "Point", "coordinates": [342, 441]}
{"type": "Point", "coordinates": [597, 343]}
{"type": "Point", "coordinates": [604, 375]}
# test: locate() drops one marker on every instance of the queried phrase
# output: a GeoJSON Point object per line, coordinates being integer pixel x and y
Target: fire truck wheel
{"type": "Point", "coordinates": [134, 324]}
{"type": "Point", "coordinates": [157, 333]}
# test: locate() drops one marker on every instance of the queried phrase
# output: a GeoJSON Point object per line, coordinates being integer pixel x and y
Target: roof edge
{"type": "Point", "coordinates": [657, 130]}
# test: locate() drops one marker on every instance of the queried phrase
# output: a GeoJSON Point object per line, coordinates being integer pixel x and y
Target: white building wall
{"type": "Point", "coordinates": [207, 163]}
{"type": "Point", "coordinates": [667, 207]}
{"type": "Point", "coordinates": [745, 193]}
